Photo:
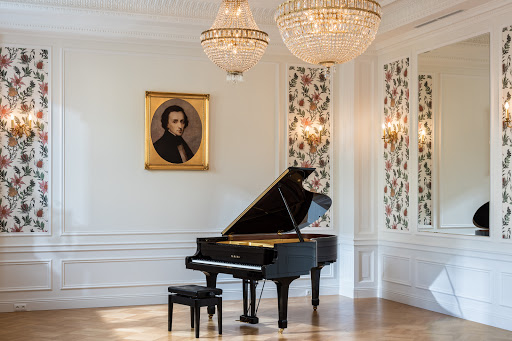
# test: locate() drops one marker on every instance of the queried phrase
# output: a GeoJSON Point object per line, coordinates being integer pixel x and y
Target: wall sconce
{"type": "Point", "coordinates": [507, 122]}
{"type": "Point", "coordinates": [388, 135]}
{"type": "Point", "coordinates": [314, 138]}
{"type": "Point", "coordinates": [421, 139]}
{"type": "Point", "coordinates": [20, 128]}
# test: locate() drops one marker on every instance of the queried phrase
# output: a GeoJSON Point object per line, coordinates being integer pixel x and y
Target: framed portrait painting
{"type": "Point", "coordinates": [176, 131]}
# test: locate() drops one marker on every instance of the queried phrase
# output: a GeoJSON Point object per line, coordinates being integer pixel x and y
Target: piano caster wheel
{"type": "Point", "coordinates": [315, 307]}
{"type": "Point", "coordinates": [210, 316]}
{"type": "Point", "coordinates": [281, 330]}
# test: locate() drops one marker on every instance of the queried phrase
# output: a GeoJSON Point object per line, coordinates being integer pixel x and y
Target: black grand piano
{"type": "Point", "coordinates": [265, 242]}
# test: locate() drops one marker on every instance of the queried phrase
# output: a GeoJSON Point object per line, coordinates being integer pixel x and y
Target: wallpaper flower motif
{"type": "Point", "coordinates": [506, 92]}
{"type": "Point", "coordinates": [396, 155]}
{"type": "Point", "coordinates": [309, 116]}
{"type": "Point", "coordinates": [425, 122]}
{"type": "Point", "coordinates": [24, 156]}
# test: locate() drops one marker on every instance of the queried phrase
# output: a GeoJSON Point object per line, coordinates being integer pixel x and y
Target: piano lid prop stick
{"type": "Point", "coordinates": [299, 234]}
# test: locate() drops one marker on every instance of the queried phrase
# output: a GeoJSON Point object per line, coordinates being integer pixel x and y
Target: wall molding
{"type": "Point", "coordinates": [386, 278]}
{"type": "Point", "coordinates": [452, 251]}
{"type": "Point", "coordinates": [47, 286]}
{"type": "Point", "coordinates": [65, 262]}
{"type": "Point", "coordinates": [87, 247]}
{"type": "Point", "coordinates": [503, 287]}
{"type": "Point", "coordinates": [487, 298]}
{"type": "Point", "coordinates": [503, 321]}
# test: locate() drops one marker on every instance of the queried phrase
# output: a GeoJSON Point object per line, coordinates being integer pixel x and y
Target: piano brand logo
{"type": "Point", "coordinates": [235, 256]}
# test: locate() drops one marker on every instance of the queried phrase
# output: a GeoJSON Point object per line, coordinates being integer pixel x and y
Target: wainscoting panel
{"type": "Point", "coordinates": [454, 280]}
{"type": "Point", "coordinates": [396, 269]}
{"type": "Point", "coordinates": [30, 275]}
{"type": "Point", "coordinates": [112, 273]}
{"type": "Point", "coordinates": [506, 293]}
{"type": "Point", "coordinates": [366, 266]}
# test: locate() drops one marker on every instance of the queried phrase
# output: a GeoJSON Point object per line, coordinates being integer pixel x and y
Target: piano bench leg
{"type": "Point", "coordinates": [169, 313]}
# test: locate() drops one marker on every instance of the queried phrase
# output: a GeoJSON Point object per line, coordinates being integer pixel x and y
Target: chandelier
{"type": "Point", "coordinates": [328, 32]}
{"type": "Point", "coordinates": [234, 42]}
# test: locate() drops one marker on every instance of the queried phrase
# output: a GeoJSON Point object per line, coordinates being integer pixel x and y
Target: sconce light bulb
{"type": "Point", "coordinates": [383, 126]}
{"type": "Point", "coordinates": [389, 124]}
{"type": "Point", "coordinates": [506, 105]}
{"type": "Point", "coordinates": [30, 117]}
{"type": "Point", "coordinates": [12, 116]}
{"type": "Point", "coordinates": [307, 128]}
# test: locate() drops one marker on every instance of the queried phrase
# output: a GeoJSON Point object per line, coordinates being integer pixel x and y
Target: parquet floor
{"type": "Point", "coordinates": [337, 318]}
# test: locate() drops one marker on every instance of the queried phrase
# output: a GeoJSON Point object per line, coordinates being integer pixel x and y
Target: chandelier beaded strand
{"type": "Point", "coordinates": [234, 42]}
{"type": "Point", "coordinates": [328, 32]}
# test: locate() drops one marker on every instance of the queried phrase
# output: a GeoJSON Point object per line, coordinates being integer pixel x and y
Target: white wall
{"type": "Point", "coordinates": [457, 275]}
{"type": "Point", "coordinates": [120, 233]}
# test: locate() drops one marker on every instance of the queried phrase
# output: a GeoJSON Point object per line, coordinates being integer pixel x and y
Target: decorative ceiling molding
{"type": "Point", "coordinates": [184, 20]}
{"type": "Point", "coordinates": [183, 9]}
{"type": "Point", "coordinates": [402, 12]}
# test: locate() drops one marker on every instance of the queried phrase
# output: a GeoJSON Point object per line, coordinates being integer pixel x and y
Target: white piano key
{"type": "Point", "coordinates": [232, 265]}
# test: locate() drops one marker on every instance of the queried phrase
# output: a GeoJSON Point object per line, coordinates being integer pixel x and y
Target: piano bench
{"type": "Point", "coordinates": [195, 296]}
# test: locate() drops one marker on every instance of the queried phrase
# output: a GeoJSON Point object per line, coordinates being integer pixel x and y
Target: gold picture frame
{"type": "Point", "coordinates": [176, 128]}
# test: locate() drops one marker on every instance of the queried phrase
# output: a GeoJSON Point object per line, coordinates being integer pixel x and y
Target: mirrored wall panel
{"type": "Point", "coordinates": [454, 138]}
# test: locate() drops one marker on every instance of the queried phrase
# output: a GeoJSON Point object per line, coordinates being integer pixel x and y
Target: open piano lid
{"type": "Point", "coordinates": [268, 213]}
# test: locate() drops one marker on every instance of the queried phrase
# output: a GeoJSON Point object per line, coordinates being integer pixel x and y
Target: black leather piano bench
{"type": "Point", "coordinates": [196, 296]}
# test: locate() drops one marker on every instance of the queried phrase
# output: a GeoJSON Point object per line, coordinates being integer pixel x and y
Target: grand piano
{"type": "Point", "coordinates": [265, 242]}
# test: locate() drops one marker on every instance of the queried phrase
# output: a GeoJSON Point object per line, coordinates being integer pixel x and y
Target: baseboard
{"type": "Point", "coordinates": [444, 307]}
{"type": "Point", "coordinates": [231, 292]}
{"type": "Point", "coordinates": [365, 293]}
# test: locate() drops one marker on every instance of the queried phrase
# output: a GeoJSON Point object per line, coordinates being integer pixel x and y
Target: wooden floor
{"type": "Point", "coordinates": [337, 318]}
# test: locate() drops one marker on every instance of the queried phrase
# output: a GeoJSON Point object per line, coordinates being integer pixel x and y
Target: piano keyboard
{"type": "Point", "coordinates": [232, 265]}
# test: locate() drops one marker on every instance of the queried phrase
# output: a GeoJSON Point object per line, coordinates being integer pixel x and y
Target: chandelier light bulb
{"type": "Point", "coordinates": [234, 42]}
{"type": "Point", "coordinates": [328, 32]}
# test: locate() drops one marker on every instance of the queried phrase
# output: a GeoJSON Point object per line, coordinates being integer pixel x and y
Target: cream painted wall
{"type": "Point", "coordinates": [120, 233]}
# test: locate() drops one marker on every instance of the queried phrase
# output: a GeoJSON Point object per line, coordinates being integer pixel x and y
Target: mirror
{"type": "Point", "coordinates": [454, 138]}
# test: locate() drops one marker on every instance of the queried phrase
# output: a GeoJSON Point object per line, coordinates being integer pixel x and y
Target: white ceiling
{"type": "Point", "coordinates": [396, 13]}
{"type": "Point", "coordinates": [185, 18]}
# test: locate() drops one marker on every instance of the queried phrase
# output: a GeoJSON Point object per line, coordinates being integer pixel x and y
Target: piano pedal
{"type": "Point", "coordinates": [249, 319]}
{"type": "Point", "coordinates": [281, 330]}
{"type": "Point", "coordinates": [315, 307]}
{"type": "Point", "coordinates": [210, 316]}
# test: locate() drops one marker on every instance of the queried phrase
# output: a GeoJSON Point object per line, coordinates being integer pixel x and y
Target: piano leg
{"type": "Point", "coordinates": [283, 286]}
{"type": "Point", "coordinates": [211, 282]}
{"type": "Point", "coordinates": [315, 286]}
{"type": "Point", "coordinates": [249, 317]}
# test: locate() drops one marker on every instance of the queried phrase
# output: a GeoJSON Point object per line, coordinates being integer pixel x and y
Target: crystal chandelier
{"type": "Point", "coordinates": [328, 32]}
{"type": "Point", "coordinates": [234, 42]}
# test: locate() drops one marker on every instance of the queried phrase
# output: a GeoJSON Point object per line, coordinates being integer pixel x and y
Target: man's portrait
{"type": "Point", "coordinates": [175, 130]}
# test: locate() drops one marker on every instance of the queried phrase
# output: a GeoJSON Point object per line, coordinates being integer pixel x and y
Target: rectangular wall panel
{"type": "Point", "coordinates": [454, 280]}
{"type": "Point", "coordinates": [366, 266]}
{"type": "Point", "coordinates": [110, 273]}
{"type": "Point", "coordinates": [506, 293]}
{"type": "Point", "coordinates": [25, 275]}
{"type": "Point", "coordinates": [396, 269]}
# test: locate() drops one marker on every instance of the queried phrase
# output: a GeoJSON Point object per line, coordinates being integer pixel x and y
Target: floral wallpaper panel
{"type": "Point", "coordinates": [396, 154]}
{"type": "Point", "coordinates": [24, 177]}
{"type": "Point", "coordinates": [506, 95]}
{"type": "Point", "coordinates": [309, 129]}
{"type": "Point", "coordinates": [425, 126]}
